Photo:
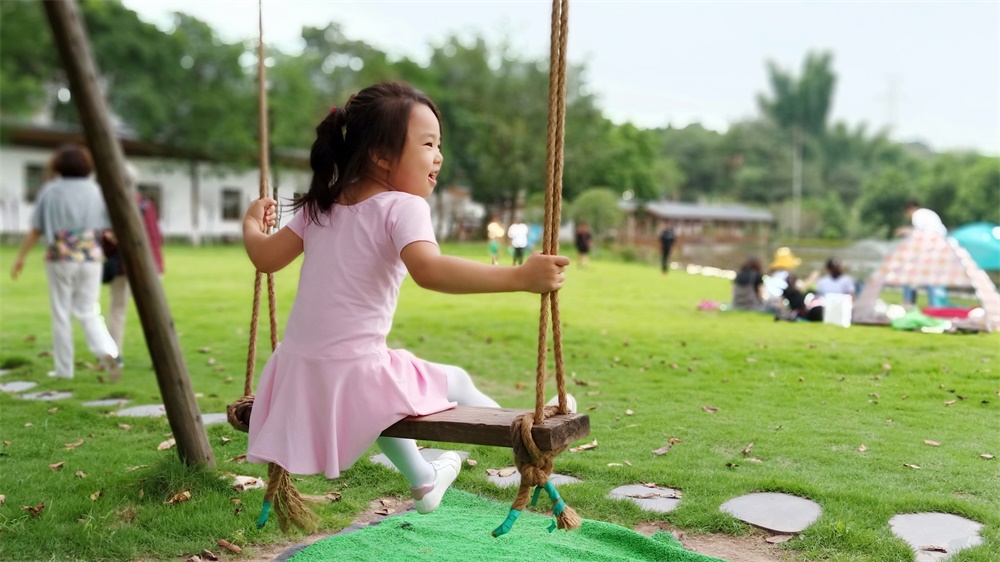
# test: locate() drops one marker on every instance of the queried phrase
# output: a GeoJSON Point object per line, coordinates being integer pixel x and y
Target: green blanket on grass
{"type": "Point", "coordinates": [460, 530]}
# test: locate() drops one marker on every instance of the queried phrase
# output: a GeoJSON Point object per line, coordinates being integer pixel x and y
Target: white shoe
{"type": "Point", "coordinates": [111, 367]}
{"type": "Point", "coordinates": [570, 402]}
{"type": "Point", "coordinates": [55, 375]}
{"type": "Point", "coordinates": [446, 469]}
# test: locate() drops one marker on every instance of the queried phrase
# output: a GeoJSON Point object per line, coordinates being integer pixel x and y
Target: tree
{"type": "Point", "coordinates": [884, 199]}
{"type": "Point", "coordinates": [598, 207]}
{"type": "Point", "coordinates": [800, 106]}
{"type": "Point", "coordinates": [978, 197]}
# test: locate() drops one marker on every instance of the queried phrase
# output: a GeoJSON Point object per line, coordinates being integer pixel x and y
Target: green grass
{"type": "Point", "coordinates": [806, 395]}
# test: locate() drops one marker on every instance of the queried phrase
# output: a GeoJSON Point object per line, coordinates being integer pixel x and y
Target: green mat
{"type": "Point", "coordinates": [460, 530]}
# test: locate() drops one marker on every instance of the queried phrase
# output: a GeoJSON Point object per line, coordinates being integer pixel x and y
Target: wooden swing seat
{"type": "Point", "coordinates": [490, 426]}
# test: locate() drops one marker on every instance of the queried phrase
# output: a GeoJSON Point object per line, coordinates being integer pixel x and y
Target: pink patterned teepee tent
{"type": "Point", "coordinates": [927, 259]}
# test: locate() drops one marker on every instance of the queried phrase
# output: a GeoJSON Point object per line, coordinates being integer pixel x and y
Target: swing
{"type": "Point", "coordinates": [536, 436]}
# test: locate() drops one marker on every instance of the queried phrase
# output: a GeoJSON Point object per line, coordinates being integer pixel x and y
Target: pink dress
{"type": "Point", "coordinates": [332, 385]}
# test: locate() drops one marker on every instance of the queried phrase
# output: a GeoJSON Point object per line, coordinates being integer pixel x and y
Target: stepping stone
{"type": "Point", "coordinates": [5, 371]}
{"type": "Point", "coordinates": [651, 499]}
{"type": "Point", "coordinates": [936, 529]}
{"type": "Point", "coordinates": [782, 513]}
{"type": "Point", "coordinates": [210, 419]}
{"type": "Point", "coordinates": [107, 402]}
{"type": "Point", "coordinates": [47, 395]}
{"type": "Point", "coordinates": [147, 411]}
{"type": "Point", "coordinates": [515, 480]}
{"type": "Point", "coordinates": [428, 454]}
{"type": "Point", "coordinates": [17, 386]}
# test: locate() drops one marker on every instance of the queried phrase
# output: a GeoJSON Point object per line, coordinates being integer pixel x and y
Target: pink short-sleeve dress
{"type": "Point", "coordinates": [332, 385]}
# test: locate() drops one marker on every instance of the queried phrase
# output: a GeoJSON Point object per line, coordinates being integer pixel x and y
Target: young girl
{"type": "Point", "coordinates": [333, 386]}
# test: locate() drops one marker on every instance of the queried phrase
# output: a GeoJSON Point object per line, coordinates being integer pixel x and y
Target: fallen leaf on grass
{"type": "Point", "coordinates": [241, 483]}
{"type": "Point", "coordinates": [34, 511]}
{"type": "Point", "coordinates": [520, 385]}
{"type": "Point", "coordinates": [931, 443]}
{"type": "Point", "coordinates": [911, 466]}
{"type": "Point", "coordinates": [209, 555]}
{"type": "Point", "coordinates": [80, 474]}
{"type": "Point", "coordinates": [752, 459]}
{"type": "Point", "coordinates": [862, 448]}
{"type": "Point", "coordinates": [131, 468]}
{"type": "Point", "coordinates": [230, 546]}
{"type": "Point", "coordinates": [332, 495]}
{"type": "Point", "coordinates": [949, 403]}
{"type": "Point", "coordinates": [238, 459]}
{"type": "Point", "coordinates": [166, 444]}
{"type": "Point", "coordinates": [585, 447]}
{"type": "Point", "coordinates": [125, 426]}
{"type": "Point", "coordinates": [204, 350]}
{"type": "Point", "coordinates": [778, 539]}
{"type": "Point", "coordinates": [933, 548]}
{"type": "Point", "coordinates": [615, 464]}
{"type": "Point", "coordinates": [73, 445]}
{"type": "Point", "coordinates": [662, 450]}
{"type": "Point", "coordinates": [96, 495]}
{"type": "Point", "coordinates": [673, 441]}
{"type": "Point", "coordinates": [193, 558]}
{"type": "Point", "coordinates": [505, 472]}
{"type": "Point", "coordinates": [6, 443]}
{"type": "Point", "coordinates": [886, 367]}
{"type": "Point", "coordinates": [579, 382]}
{"type": "Point", "coordinates": [179, 497]}
{"type": "Point", "coordinates": [747, 449]}
{"type": "Point", "coordinates": [986, 456]}
{"type": "Point", "coordinates": [649, 484]}
{"type": "Point", "coordinates": [3, 499]}
{"type": "Point", "coordinates": [874, 395]}
{"type": "Point", "coordinates": [751, 360]}
{"type": "Point", "coordinates": [710, 409]}
{"type": "Point", "coordinates": [29, 424]}
{"type": "Point", "coordinates": [57, 465]}
{"type": "Point", "coordinates": [629, 412]}
{"type": "Point", "coordinates": [471, 462]}
{"type": "Point", "coordinates": [52, 410]}
{"type": "Point", "coordinates": [627, 463]}
{"type": "Point", "coordinates": [226, 440]}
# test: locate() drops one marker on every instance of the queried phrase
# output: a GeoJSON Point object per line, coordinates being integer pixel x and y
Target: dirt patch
{"type": "Point", "coordinates": [377, 509]}
{"type": "Point", "coordinates": [749, 548]}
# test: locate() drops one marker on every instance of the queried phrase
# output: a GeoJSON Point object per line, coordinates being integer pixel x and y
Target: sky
{"type": "Point", "coordinates": [927, 71]}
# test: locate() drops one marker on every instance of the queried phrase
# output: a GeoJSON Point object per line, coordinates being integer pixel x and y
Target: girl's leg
{"type": "Point", "coordinates": [461, 389]}
{"type": "Point", "coordinates": [87, 309]}
{"type": "Point", "coordinates": [428, 480]}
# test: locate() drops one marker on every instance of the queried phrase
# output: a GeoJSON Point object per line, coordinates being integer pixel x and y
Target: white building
{"type": "Point", "coordinates": [196, 200]}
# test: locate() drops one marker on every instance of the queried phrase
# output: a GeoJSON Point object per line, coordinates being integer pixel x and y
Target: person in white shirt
{"type": "Point", "coordinates": [926, 220]}
{"type": "Point", "coordinates": [518, 234]}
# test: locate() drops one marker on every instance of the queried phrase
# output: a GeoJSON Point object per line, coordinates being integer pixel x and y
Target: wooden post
{"type": "Point", "coordinates": [158, 326]}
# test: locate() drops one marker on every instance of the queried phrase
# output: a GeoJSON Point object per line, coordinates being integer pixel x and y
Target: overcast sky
{"type": "Point", "coordinates": [929, 70]}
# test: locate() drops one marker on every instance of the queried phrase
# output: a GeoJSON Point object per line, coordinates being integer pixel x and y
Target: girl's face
{"type": "Point", "coordinates": [419, 164]}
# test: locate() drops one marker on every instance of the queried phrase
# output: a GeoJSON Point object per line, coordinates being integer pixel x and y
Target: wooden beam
{"type": "Point", "coordinates": [157, 324]}
{"type": "Point", "coordinates": [490, 426]}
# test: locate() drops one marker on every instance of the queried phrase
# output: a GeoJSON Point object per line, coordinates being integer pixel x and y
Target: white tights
{"type": "Point", "coordinates": [404, 453]}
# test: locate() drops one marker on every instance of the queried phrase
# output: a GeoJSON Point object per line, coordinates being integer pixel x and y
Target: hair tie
{"type": "Point", "coordinates": [333, 109]}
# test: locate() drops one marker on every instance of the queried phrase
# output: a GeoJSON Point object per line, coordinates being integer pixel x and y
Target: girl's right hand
{"type": "Point", "coordinates": [262, 214]}
{"type": "Point", "coordinates": [543, 273]}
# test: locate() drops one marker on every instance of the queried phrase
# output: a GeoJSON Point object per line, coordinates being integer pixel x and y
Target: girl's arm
{"type": "Point", "coordinates": [448, 274]}
{"type": "Point", "coordinates": [29, 241]}
{"type": "Point", "coordinates": [268, 253]}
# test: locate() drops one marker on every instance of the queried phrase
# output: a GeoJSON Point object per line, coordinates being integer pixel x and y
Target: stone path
{"type": "Point", "coordinates": [934, 537]}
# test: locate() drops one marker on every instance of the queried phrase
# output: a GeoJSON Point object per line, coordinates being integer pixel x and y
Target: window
{"type": "Point", "coordinates": [231, 203]}
{"type": "Point", "coordinates": [153, 192]}
{"type": "Point", "coordinates": [34, 179]}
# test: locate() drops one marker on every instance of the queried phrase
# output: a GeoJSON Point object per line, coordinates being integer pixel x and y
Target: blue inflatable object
{"type": "Point", "coordinates": [982, 241]}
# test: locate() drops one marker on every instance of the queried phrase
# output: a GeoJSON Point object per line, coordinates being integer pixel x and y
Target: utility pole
{"type": "Point", "coordinates": [797, 143]}
{"type": "Point", "coordinates": [157, 324]}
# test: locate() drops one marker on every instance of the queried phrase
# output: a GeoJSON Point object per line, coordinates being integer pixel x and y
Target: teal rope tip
{"type": "Point", "coordinates": [505, 527]}
{"type": "Point", "coordinates": [265, 510]}
{"type": "Point", "coordinates": [534, 497]}
{"type": "Point", "coordinates": [559, 507]}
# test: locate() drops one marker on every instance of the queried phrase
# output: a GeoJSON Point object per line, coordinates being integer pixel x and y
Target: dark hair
{"type": "Point", "coordinates": [72, 161]}
{"type": "Point", "coordinates": [835, 268]}
{"type": "Point", "coordinates": [912, 203]}
{"type": "Point", "coordinates": [752, 263]}
{"type": "Point", "coordinates": [372, 124]}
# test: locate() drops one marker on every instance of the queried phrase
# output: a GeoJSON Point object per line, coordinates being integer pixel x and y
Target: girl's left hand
{"type": "Point", "coordinates": [262, 214]}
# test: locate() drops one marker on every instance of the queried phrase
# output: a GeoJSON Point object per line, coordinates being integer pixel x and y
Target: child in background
{"type": "Point", "coordinates": [333, 385]}
{"type": "Point", "coordinates": [494, 232]}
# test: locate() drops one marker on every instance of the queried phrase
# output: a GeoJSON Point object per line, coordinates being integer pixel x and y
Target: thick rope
{"type": "Point", "coordinates": [535, 465]}
{"type": "Point", "coordinates": [281, 492]}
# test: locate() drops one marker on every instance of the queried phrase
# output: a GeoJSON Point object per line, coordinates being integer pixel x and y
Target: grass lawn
{"type": "Point", "coordinates": [807, 396]}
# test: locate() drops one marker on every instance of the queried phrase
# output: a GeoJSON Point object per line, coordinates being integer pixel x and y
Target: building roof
{"type": "Point", "coordinates": [677, 210]}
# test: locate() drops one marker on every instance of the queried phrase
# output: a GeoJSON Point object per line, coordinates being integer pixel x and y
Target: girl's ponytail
{"type": "Point", "coordinates": [327, 158]}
